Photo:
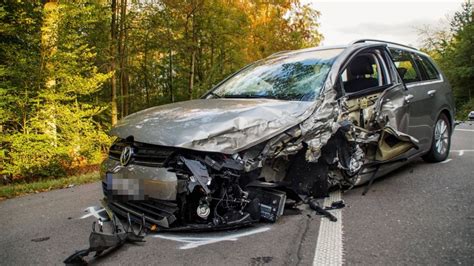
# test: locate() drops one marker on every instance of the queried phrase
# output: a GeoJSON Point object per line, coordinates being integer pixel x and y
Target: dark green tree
{"type": "Point", "coordinates": [453, 50]}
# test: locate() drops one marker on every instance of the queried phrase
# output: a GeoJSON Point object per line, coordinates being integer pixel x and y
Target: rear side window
{"type": "Point", "coordinates": [405, 66]}
{"type": "Point", "coordinates": [430, 69]}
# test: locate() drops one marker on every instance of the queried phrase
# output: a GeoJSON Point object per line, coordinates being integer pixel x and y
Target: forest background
{"type": "Point", "coordinates": [69, 70]}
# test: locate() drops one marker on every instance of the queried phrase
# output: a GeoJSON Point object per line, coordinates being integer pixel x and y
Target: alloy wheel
{"type": "Point", "coordinates": [441, 136]}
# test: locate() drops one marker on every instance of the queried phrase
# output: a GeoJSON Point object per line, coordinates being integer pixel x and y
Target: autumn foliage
{"type": "Point", "coordinates": [70, 69]}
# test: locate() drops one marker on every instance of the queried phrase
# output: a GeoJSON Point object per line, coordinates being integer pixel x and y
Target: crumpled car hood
{"type": "Point", "coordinates": [213, 125]}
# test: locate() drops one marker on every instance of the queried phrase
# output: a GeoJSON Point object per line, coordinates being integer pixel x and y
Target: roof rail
{"type": "Point", "coordinates": [375, 40]}
{"type": "Point", "coordinates": [280, 52]}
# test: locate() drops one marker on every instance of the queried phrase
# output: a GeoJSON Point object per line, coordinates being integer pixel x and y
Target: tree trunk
{"type": "Point", "coordinates": [145, 72]}
{"type": "Point", "coordinates": [122, 51]}
{"type": "Point", "coordinates": [126, 86]}
{"type": "Point", "coordinates": [124, 58]}
{"type": "Point", "coordinates": [120, 16]}
{"type": "Point", "coordinates": [171, 76]}
{"type": "Point", "coordinates": [191, 75]}
{"type": "Point", "coordinates": [113, 85]}
{"type": "Point", "coordinates": [193, 53]}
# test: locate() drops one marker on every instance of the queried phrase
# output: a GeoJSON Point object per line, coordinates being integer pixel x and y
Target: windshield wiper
{"type": "Point", "coordinates": [215, 94]}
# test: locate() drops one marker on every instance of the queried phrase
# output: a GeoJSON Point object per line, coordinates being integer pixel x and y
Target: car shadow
{"type": "Point", "coordinates": [400, 172]}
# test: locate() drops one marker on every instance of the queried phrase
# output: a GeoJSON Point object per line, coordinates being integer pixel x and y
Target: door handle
{"type": "Point", "coordinates": [408, 98]}
{"type": "Point", "coordinates": [431, 92]}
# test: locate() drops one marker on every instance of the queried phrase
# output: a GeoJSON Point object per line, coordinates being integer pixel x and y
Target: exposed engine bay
{"type": "Point", "coordinates": [213, 190]}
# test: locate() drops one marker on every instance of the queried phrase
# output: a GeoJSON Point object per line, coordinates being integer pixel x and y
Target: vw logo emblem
{"type": "Point", "coordinates": [126, 155]}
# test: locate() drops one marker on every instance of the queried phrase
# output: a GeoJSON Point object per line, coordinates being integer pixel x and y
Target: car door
{"type": "Point", "coordinates": [392, 114]}
{"type": "Point", "coordinates": [436, 92]}
{"type": "Point", "coordinates": [390, 111]}
{"type": "Point", "coordinates": [419, 96]}
{"type": "Point", "coordinates": [389, 90]}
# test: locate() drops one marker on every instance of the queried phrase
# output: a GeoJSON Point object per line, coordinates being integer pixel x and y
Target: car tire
{"type": "Point", "coordinates": [441, 142]}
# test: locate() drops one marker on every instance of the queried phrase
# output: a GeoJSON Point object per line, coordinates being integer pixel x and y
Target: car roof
{"type": "Point", "coordinates": [310, 49]}
{"type": "Point", "coordinates": [353, 44]}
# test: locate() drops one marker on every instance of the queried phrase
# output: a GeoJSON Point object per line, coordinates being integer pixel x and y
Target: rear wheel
{"type": "Point", "coordinates": [441, 141]}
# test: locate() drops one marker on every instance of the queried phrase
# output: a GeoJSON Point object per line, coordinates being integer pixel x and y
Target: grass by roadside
{"type": "Point", "coordinates": [14, 190]}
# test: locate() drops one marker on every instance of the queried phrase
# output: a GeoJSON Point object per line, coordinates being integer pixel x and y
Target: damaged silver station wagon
{"type": "Point", "coordinates": [281, 130]}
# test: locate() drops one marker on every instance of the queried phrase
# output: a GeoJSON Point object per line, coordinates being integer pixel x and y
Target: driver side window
{"type": "Point", "coordinates": [363, 72]}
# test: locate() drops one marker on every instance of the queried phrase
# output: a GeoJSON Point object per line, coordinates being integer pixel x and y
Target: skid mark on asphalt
{"type": "Point", "coordinates": [197, 241]}
{"type": "Point", "coordinates": [329, 245]}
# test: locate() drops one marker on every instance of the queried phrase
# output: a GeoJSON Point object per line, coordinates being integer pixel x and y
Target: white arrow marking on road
{"type": "Point", "coordinates": [329, 243]}
{"type": "Point", "coordinates": [94, 211]}
{"type": "Point", "coordinates": [194, 242]}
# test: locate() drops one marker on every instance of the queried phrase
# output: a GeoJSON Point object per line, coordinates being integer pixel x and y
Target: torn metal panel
{"type": "Point", "coordinates": [314, 132]}
{"type": "Point", "coordinates": [393, 143]}
{"type": "Point", "coordinates": [391, 109]}
{"type": "Point", "coordinates": [200, 175]}
{"type": "Point", "coordinates": [101, 243]}
{"type": "Point", "coordinates": [320, 129]}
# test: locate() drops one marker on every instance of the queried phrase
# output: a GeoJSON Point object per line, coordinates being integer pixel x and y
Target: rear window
{"type": "Point", "coordinates": [430, 69]}
{"type": "Point", "coordinates": [405, 66]}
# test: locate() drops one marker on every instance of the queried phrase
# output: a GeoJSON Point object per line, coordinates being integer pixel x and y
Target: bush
{"type": "Point", "coordinates": [33, 156]}
{"type": "Point", "coordinates": [464, 110]}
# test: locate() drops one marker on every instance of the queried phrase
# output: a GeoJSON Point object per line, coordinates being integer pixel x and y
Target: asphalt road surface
{"type": "Point", "coordinates": [420, 214]}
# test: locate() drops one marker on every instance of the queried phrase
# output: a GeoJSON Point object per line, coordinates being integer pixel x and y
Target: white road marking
{"type": "Point", "coordinates": [447, 160]}
{"type": "Point", "coordinates": [463, 129]}
{"type": "Point", "coordinates": [329, 245]}
{"type": "Point", "coordinates": [461, 152]}
{"type": "Point", "coordinates": [96, 212]}
{"type": "Point", "coordinates": [194, 242]}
